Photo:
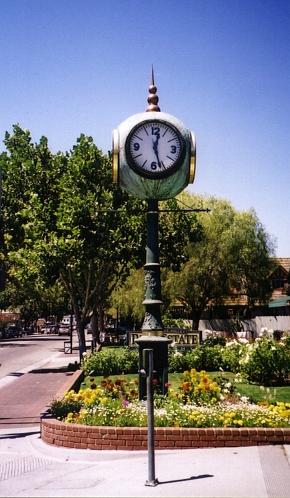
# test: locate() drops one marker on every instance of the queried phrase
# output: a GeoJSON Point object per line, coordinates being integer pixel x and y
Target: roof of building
{"type": "Point", "coordinates": [284, 262]}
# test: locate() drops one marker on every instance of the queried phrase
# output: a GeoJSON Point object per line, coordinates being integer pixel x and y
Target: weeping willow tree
{"type": "Point", "coordinates": [234, 252]}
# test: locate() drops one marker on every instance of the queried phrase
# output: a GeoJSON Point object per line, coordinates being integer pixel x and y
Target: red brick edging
{"type": "Point", "coordinates": [135, 438]}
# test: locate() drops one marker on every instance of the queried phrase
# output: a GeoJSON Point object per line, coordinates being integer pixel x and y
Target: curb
{"type": "Point", "coordinates": [73, 383]}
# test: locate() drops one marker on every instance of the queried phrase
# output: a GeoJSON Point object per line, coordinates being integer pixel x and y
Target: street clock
{"type": "Point", "coordinates": [154, 149]}
{"type": "Point", "coordinates": [153, 153]}
{"type": "Point", "coordinates": [153, 159]}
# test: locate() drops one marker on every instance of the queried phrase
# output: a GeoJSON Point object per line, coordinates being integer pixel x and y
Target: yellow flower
{"type": "Point", "coordinates": [70, 417]}
{"type": "Point", "coordinates": [238, 422]}
{"type": "Point", "coordinates": [230, 414]}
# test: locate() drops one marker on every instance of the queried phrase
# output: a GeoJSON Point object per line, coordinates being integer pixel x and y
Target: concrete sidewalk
{"type": "Point", "coordinates": [29, 467]}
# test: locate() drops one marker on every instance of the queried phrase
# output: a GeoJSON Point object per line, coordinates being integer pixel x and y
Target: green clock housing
{"type": "Point", "coordinates": [153, 155]}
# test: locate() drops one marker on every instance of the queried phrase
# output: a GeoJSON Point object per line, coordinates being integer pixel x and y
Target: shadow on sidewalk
{"type": "Point", "coordinates": [68, 369]}
{"type": "Point", "coordinates": [192, 478]}
{"type": "Point", "coordinates": [15, 435]}
{"type": "Point", "coordinates": [15, 374]}
{"type": "Point", "coordinates": [14, 345]}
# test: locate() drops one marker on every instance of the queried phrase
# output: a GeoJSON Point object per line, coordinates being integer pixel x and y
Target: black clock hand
{"type": "Point", "coordinates": [155, 148]}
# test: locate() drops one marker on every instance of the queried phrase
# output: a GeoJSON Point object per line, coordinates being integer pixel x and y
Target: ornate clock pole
{"type": "Point", "coordinates": [152, 321]}
{"type": "Point", "coordinates": [152, 328]}
{"type": "Point", "coordinates": [153, 159]}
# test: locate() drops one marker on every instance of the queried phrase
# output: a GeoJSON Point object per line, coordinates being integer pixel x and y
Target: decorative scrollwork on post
{"type": "Point", "coordinates": [152, 321]}
{"type": "Point", "coordinates": [152, 284]}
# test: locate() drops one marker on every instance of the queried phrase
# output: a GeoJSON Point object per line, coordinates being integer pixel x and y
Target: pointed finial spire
{"type": "Point", "coordinates": [152, 97]}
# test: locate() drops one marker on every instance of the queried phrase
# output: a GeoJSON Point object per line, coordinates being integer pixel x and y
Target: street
{"type": "Point", "coordinates": [19, 353]}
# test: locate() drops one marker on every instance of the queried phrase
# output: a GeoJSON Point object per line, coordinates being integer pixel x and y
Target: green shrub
{"type": "Point", "coordinates": [202, 357]}
{"type": "Point", "coordinates": [268, 363]}
{"type": "Point", "coordinates": [111, 361]}
{"type": "Point", "coordinates": [215, 341]}
{"type": "Point", "coordinates": [177, 361]}
{"type": "Point", "coordinates": [286, 341]}
{"type": "Point", "coordinates": [210, 358]}
{"type": "Point", "coordinates": [232, 356]}
{"type": "Point", "coordinates": [60, 408]}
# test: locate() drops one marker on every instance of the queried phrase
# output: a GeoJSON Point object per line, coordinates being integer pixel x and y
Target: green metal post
{"type": "Point", "coordinates": [152, 328]}
{"type": "Point", "coordinates": [148, 361]}
{"type": "Point", "coordinates": [152, 321]}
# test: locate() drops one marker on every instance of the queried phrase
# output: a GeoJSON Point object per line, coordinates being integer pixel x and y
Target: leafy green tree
{"type": "Point", "coordinates": [33, 300]}
{"type": "Point", "coordinates": [26, 172]}
{"type": "Point", "coordinates": [178, 229]}
{"type": "Point", "coordinates": [234, 251]}
{"type": "Point", "coordinates": [251, 260]}
{"type": "Point", "coordinates": [65, 222]}
{"type": "Point", "coordinates": [59, 224]}
{"type": "Point", "coordinates": [128, 297]}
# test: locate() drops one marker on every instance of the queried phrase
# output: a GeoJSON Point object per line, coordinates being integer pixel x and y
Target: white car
{"type": "Point", "coordinates": [64, 325]}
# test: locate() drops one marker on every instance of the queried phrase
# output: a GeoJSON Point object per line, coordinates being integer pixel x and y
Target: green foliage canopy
{"type": "Point", "coordinates": [58, 222]}
{"type": "Point", "coordinates": [64, 222]}
{"type": "Point", "coordinates": [234, 253]}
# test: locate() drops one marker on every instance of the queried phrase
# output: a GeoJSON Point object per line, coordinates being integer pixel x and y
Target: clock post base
{"type": "Point", "coordinates": [159, 344]}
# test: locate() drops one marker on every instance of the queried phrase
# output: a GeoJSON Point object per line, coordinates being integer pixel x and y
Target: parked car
{"type": "Point", "coordinates": [12, 330]}
{"type": "Point", "coordinates": [65, 325]}
{"type": "Point", "coordinates": [49, 328]}
{"type": "Point", "coordinates": [29, 329]}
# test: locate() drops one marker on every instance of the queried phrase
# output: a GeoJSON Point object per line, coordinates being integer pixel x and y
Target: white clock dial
{"type": "Point", "coordinates": [154, 149]}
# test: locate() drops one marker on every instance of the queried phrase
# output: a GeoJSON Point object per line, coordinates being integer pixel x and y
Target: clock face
{"type": "Point", "coordinates": [154, 149]}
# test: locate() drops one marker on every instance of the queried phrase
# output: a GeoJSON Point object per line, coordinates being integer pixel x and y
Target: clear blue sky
{"type": "Point", "coordinates": [221, 66]}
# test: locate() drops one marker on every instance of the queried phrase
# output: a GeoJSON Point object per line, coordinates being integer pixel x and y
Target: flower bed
{"type": "Point", "coordinates": [198, 402]}
{"type": "Point", "coordinates": [201, 414]}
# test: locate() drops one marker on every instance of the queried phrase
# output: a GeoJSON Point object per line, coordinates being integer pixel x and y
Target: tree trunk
{"type": "Point", "coordinates": [196, 314]}
{"type": "Point", "coordinates": [95, 330]}
{"type": "Point", "coordinates": [101, 318]}
{"type": "Point", "coordinates": [82, 339]}
{"type": "Point", "coordinates": [80, 330]}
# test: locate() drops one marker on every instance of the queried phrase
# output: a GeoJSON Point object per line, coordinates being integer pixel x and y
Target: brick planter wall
{"type": "Point", "coordinates": [135, 438]}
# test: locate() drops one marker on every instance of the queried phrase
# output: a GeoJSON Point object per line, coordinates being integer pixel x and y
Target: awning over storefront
{"type": "Point", "coordinates": [280, 302]}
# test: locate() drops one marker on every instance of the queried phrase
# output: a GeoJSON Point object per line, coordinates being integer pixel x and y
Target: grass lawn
{"type": "Point", "coordinates": [255, 392]}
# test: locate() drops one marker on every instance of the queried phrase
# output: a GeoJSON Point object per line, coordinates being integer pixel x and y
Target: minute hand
{"type": "Point", "coordinates": [155, 148]}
